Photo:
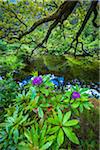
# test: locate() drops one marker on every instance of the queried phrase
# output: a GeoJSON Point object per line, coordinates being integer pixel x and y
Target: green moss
{"type": "Point", "coordinates": [84, 68]}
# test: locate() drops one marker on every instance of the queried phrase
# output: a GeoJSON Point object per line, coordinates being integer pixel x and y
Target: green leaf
{"type": "Point", "coordinates": [22, 146]}
{"type": "Point", "coordinates": [40, 112]}
{"type": "Point", "coordinates": [71, 123]}
{"type": "Point", "coordinates": [33, 91]}
{"type": "Point", "coordinates": [28, 136]}
{"type": "Point", "coordinates": [24, 119]}
{"type": "Point", "coordinates": [53, 129]}
{"type": "Point", "coordinates": [45, 91]}
{"type": "Point", "coordinates": [52, 121]}
{"type": "Point", "coordinates": [66, 117]}
{"type": "Point", "coordinates": [60, 137]}
{"type": "Point", "coordinates": [60, 115]}
{"type": "Point", "coordinates": [55, 117]}
{"type": "Point", "coordinates": [91, 105]}
{"type": "Point", "coordinates": [34, 134]}
{"type": "Point", "coordinates": [46, 146]}
{"type": "Point", "coordinates": [71, 135]}
{"type": "Point", "coordinates": [75, 105]}
{"type": "Point", "coordinates": [43, 131]}
{"type": "Point", "coordinates": [86, 105]}
{"type": "Point", "coordinates": [51, 138]}
{"type": "Point", "coordinates": [68, 94]}
{"type": "Point", "coordinates": [16, 135]}
{"type": "Point", "coordinates": [83, 90]}
{"type": "Point", "coordinates": [81, 108]}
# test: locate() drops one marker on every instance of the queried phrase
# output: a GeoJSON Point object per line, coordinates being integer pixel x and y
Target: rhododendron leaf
{"type": "Point", "coordinates": [83, 90]}
{"type": "Point", "coordinates": [75, 105]}
{"type": "Point", "coordinates": [81, 108]}
{"type": "Point", "coordinates": [46, 146]}
{"type": "Point", "coordinates": [43, 131]}
{"type": "Point", "coordinates": [16, 135]}
{"type": "Point", "coordinates": [66, 117]}
{"type": "Point", "coordinates": [40, 112]}
{"type": "Point", "coordinates": [51, 138]}
{"type": "Point", "coordinates": [71, 135]}
{"type": "Point", "coordinates": [53, 121]}
{"type": "Point", "coordinates": [86, 105]}
{"type": "Point", "coordinates": [60, 137]}
{"type": "Point", "coordinates": [71, 122]}
{"type": "Point", "coordinates": [53, 130]}
{"type": "Point", "coordinates": [28, 136]}
{"type": "Point", "coordinates": [22, 146]}
{"type": "Point", "coordinates": [60, 115]}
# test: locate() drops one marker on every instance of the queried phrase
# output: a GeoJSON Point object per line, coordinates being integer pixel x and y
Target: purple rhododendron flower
{"type": "Point", "coordinates": [37, 81]}
{"type": "Point", "coordinates": [75, 95]}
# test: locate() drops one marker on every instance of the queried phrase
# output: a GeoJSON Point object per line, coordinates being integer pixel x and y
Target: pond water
{"type": "Point", "coordinates": [86, 69]}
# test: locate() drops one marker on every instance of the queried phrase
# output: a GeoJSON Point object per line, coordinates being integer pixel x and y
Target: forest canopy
{"type": "Point", "coordinates": [52, 26]}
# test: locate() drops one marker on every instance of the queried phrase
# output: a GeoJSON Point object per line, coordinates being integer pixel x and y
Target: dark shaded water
{"type": "Point", "coordinates": [86, 69]}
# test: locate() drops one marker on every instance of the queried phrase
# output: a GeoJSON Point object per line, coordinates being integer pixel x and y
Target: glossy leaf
{"type": "Point", "coordinates": [46, 146]}
{"type": "Point", "coordinates": [28, 135]}
{"type": "Point", "coordinates": [51, 138]}
{"type": "Point", "coordinates": [53, 130]}
{"type": "Point", "coordinates": [71, 135]}
{"type": "Point", "coordinates": [23, 146]}
{"type": "Point", "coordinates": [60, 115]}
{"type": "Point", "coordinates": [40, 112]}
{"type": "Point", "coordinates": [60, 137]}
{"type": "Point", "coordinates": [16, 135]}
{"type": "Point", "coordinates": [75, 105]}
{"type": "Point", "coordinates": [66, 117]}
{"type": "Point", "coordinates": [81, 108]}
{"type": "Point", "coordinates": [71, 123]}
{"type": "Point", "coordinates": [86, 105]}
{"type": "Point", "coordinates": [53, 121]}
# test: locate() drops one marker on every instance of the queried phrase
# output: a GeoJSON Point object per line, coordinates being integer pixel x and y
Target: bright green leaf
{"type": "Point", "coordinates": [28, 136]}
{"type": "Point", "coordinates": [60, 137]}
{"type": "Point", "coordinates": [40, 112]}
{"type": "Point", "coordinates": [60, 115]}
{"type": "Point", "coordinates": [86, 105]}
{"type": "Point", "coordinates": [53, 129]}
{"type": "Point", "coordinates": [46, 146]}
{"type": "Point", "coordinates": [23, 146]}
{"type": "Point", "coordinates": [71, 123]}
{"type": "Point", "coordinates": [75, 105]}
{"type": "Point", "coordinates": [81, 108]}
{"type": "Point", "coordinates": [71, 135]}
{"type": "Point", "coordinates": [66, 117]}
{"type": "Point", "coordinates": [53, 121]}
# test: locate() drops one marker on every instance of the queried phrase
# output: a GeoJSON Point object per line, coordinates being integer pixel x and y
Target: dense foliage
{"type": "Point", "coordinates": [17, 17]}
{"type": "Point", "coordinates": [40, 117]}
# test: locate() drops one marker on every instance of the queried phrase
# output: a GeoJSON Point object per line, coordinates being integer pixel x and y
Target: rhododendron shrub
{"type": "Point", "coordinates": [43, 118]}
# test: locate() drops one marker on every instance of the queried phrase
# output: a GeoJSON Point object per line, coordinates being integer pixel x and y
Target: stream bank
{"type": "Point", "coordinates": [69, 67]}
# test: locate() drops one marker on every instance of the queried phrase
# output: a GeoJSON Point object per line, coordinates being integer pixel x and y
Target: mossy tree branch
{"type": "Point", "coordinates": [59, 16]}
{"type": "Point", "coordinates": [91, 9]}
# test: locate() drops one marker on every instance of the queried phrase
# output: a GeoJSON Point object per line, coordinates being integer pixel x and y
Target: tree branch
{"type": "Point", "coordinates": [18, 18]}
{"type": "Point", "coordinates": [89, 12]}
{"type": "Point", "coordinates": [65, 8]}
{"type": "Point", "coordinates": [95, 17]}
{"type": "Point", "coordinates": [91, 9]}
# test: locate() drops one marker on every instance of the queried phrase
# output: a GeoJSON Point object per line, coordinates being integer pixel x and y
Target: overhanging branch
{"type": "Point", "coordinates": [89, 12]}
{"type": "Point", "coordinates": [65, 8]}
